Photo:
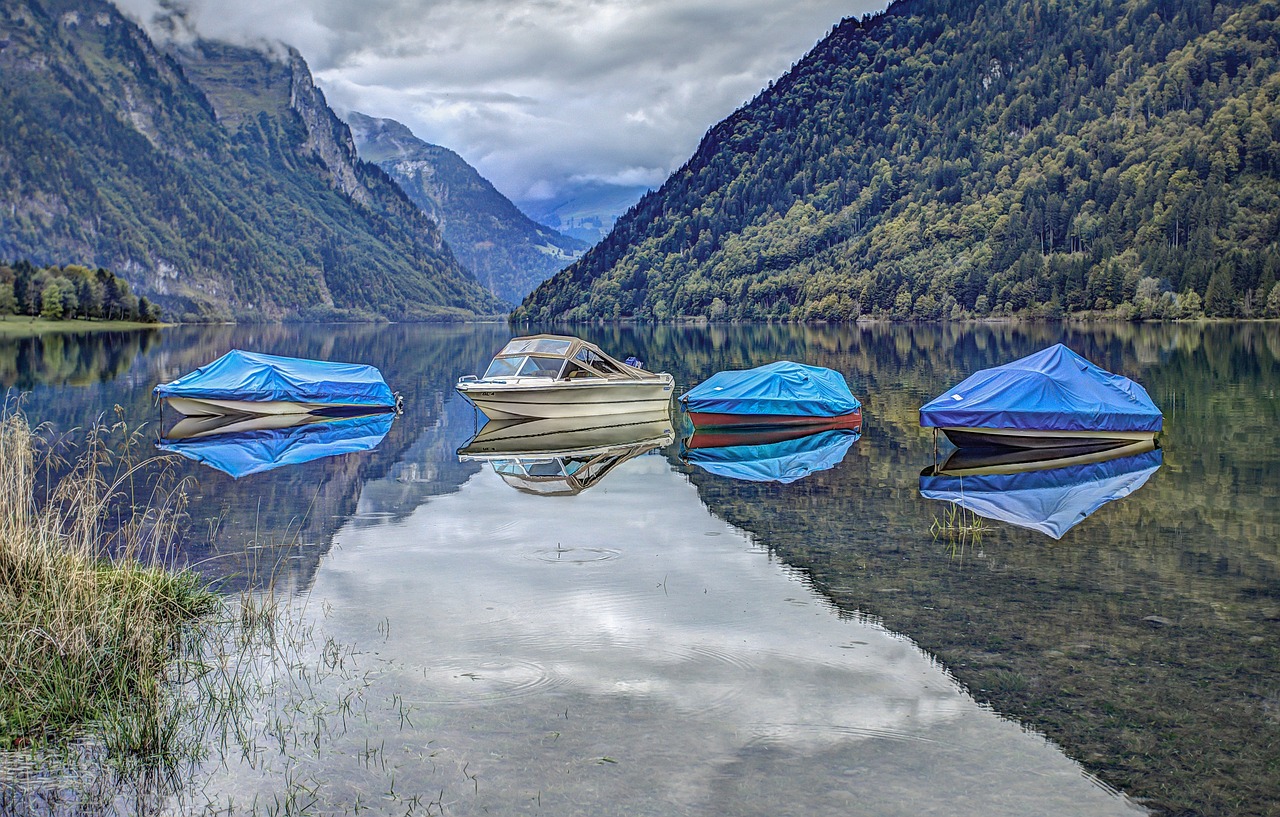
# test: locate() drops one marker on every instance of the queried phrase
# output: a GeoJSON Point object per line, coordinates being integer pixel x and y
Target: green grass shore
{"type": "Point", "coordinates": [86, 642]}
{"type": "Point", "coordinates": [21, 326]}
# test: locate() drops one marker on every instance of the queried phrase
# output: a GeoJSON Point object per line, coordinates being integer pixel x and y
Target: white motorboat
{"type": "Point", "coordinates": [553, 376]}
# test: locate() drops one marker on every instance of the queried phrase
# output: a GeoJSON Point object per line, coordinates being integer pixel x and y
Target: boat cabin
{"type": "Point", "coordinates": [558, 358]}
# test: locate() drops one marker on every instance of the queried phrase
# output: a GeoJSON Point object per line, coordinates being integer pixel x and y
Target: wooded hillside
{"type": "Point", "coordinates": [956, 158]}
{"type": "Point", "coordinates": [214, 179]}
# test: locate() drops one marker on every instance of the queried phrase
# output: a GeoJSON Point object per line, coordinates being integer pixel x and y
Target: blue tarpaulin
{"type": "Point", "coordinates": [782, 388]}
{"type": "Point", "coordinates": [251, 376]}
{"type": "Point", "coordinates": [785, 461]}
{"type": "Point", "coordinates": [1051, 501]}
{"type": "Point", "coordinates": [250, 452]}
{"type": "Point", "coordinates": [1052, 390]}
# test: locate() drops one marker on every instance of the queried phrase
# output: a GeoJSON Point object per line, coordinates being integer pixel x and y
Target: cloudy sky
{"type": "Point", "coordinates": [540, 95]}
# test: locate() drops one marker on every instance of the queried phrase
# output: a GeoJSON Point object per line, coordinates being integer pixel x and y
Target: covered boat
{"type": "Point", "coordinates": [1049, 494]}
{"type": "Point", "coordinates": [549, 376]}
{"type": "Point", "coordinates": [240, 446]}
{"type": "Point", "coordinates": [781, 393]}
{"type": "Point", "coordinates": [782, 455]}
{"type": "Point", "coordinates": [1052, 398]}
{"type": "Point", "coordinates": [242, 382]}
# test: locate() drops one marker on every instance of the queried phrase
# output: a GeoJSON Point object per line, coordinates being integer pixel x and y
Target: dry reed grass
{"type": "Point", "coordinates": [88, 631]}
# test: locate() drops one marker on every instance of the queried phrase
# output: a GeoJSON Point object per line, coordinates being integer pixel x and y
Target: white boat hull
{"type": "Point", "coordinates": [569, 436]}
{"type": "Point", "coordinates": [538, 399]}
{"type": "Point", "coordinates": [199, 407]}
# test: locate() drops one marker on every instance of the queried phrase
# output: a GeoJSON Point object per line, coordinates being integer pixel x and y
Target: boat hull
{"type": "Point", "coordinates": [572, 436]}
{"type": "Point", "coordinates": [976, 462]}
{"type": "Point", "coordinates": [202, 407]}
{"type": "Point", "coordinates": [760, 433]}
{"type": "Point", "coordinates": [703, 419]}
{"type": "Point", "coordinates": [521, 399]}
{"type": "Point", "coordinates": [1038, 438]}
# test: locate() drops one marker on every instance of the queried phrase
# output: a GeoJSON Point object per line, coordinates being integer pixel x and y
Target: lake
{"type": "Point", "coordinates": [663, 638]}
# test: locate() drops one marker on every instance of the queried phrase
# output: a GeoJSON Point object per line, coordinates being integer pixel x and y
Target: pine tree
{"type": "Point", "coordinates": [1220, 297]}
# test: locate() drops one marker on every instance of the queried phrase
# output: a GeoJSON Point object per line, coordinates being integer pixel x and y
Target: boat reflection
{"type": "Point", "coordinates": [240, 445]}
{"type": "Point", "coordinates": [565, 456]}
{"type": "Point", "coordinates": [1050, 491]}
{"type": "Point", "coordinates": [771, 454]}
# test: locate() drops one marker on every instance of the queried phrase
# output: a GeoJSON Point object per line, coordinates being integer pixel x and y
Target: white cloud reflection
{"type": "Point", "coordinates": [533, 634]}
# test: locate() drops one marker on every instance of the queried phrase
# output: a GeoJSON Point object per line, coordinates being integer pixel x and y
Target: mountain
{"type": "Point", "coordinates": [506, 250]}
{"type": "Point", "coordinates": [953, 158]}
{"type": "Point", "coordinates": [587, 210]}
{"type": "Point", "coordinates": [214, 179]}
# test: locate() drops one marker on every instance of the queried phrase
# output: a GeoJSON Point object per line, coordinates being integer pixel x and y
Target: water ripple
{"type": "Point", "coordinates": [574, 555]}
{"type": "Point", "coordinates": [479, 679]}
{"type": "Point", "coordinates": [769, 734]}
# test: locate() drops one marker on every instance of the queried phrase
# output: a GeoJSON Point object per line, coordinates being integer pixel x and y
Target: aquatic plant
{"type": "Point", "coordinates": [959, 527]}
{"type": "Point", "coordinates": [90, 625]}
{"type": "Point", "coordinates": [121, 677]}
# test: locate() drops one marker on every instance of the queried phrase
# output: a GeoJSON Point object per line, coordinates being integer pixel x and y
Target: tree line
{"type": "Point", "coordinates": [73, 291]}
{"type": "Point", "coordinates": [949, 159]}
{"type": "Point", "coordinates": [114, 152]}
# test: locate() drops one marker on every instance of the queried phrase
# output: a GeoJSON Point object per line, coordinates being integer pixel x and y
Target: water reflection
{"type": "Point", "coordinates": [565, 456]}
{"type": "Point", "coordinates": [1050, 491]}
{"type": "Point", "coordinates": [240, 445]}
{"type": "Point", "coordinates": [1143, 642]}
{"type": "Point", "coordinates": [69, 359]}
{"type": "Point", "coordinates": [782, 454]}
{"type": "Point", "coordinates": [271, 529]}
{"type": "Point", "coordinates": [624, 652]}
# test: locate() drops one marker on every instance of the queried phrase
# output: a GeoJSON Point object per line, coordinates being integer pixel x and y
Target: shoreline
{"type": "Point", "coordinates": [21, 326]}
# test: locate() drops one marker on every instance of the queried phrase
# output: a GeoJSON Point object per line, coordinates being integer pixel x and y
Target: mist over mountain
{"type": "Point", "coordinates": [957, 158]}
{"type": "Point", "coordinates": [214, 178]}
{"type": "Point", "coordinates": [586, 211]}
{"type": "Point", "coordinates": [505, 249]}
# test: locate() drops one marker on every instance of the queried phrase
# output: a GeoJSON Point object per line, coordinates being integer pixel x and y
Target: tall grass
{"type": "Point", "coordinates": [88, 632]}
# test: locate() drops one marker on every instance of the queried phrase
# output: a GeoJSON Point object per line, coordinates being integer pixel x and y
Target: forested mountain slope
{"type": "Point", "coordinates": [950, 158]}
{"type": "Point", "coordinates": [502, 247]}
{"type": "Point", "coordinates": [219, 186]}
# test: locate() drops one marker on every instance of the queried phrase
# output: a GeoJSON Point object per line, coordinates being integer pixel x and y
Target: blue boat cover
{"type": "Point", "coordinates": [250, 452]}
{"type": "Point", "coordinates": [1051, 501]}
{"type": "Point", "coordinates": [785, 461]}
{"type": "Point", "coordinates": [784, 387]}
{"type": "Point", "coordinates": [251, 376]}
{"type": "Point", "coordinates": [1052, 390]}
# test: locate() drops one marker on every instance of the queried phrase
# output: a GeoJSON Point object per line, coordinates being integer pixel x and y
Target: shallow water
{"type": "Point", "coordinates": [673, 641]}
{"type": "Point", "coordinates": [624, 651]}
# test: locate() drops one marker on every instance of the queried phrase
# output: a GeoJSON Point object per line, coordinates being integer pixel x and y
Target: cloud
{"type": "Point", "coordinates": [535, 93]}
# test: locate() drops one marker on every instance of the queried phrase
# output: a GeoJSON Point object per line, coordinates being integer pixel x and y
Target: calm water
{"type": "Point", "coordinates": [671, 640]}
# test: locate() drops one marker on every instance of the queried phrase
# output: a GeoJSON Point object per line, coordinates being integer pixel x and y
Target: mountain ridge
{"type": "Point", "coordinates": [503, 248]}
{"type": "Point", "coordinates": [112, 154]}
{"type": "Point", "coordinates": [955, 159]}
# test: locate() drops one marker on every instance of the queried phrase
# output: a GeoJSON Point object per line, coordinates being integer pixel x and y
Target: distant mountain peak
{"type": "Point", "coordinates": [506, 250]}
{"type": "Point", "coordinates": [213, 177]}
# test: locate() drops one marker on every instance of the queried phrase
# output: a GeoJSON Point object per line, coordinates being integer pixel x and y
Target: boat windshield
{"type": "Point", "coordinates": [600, 364]}
{"type": "Point", "coordinates": [521, 366]}
{"type": "Point", "coordinates": [544, 346]}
